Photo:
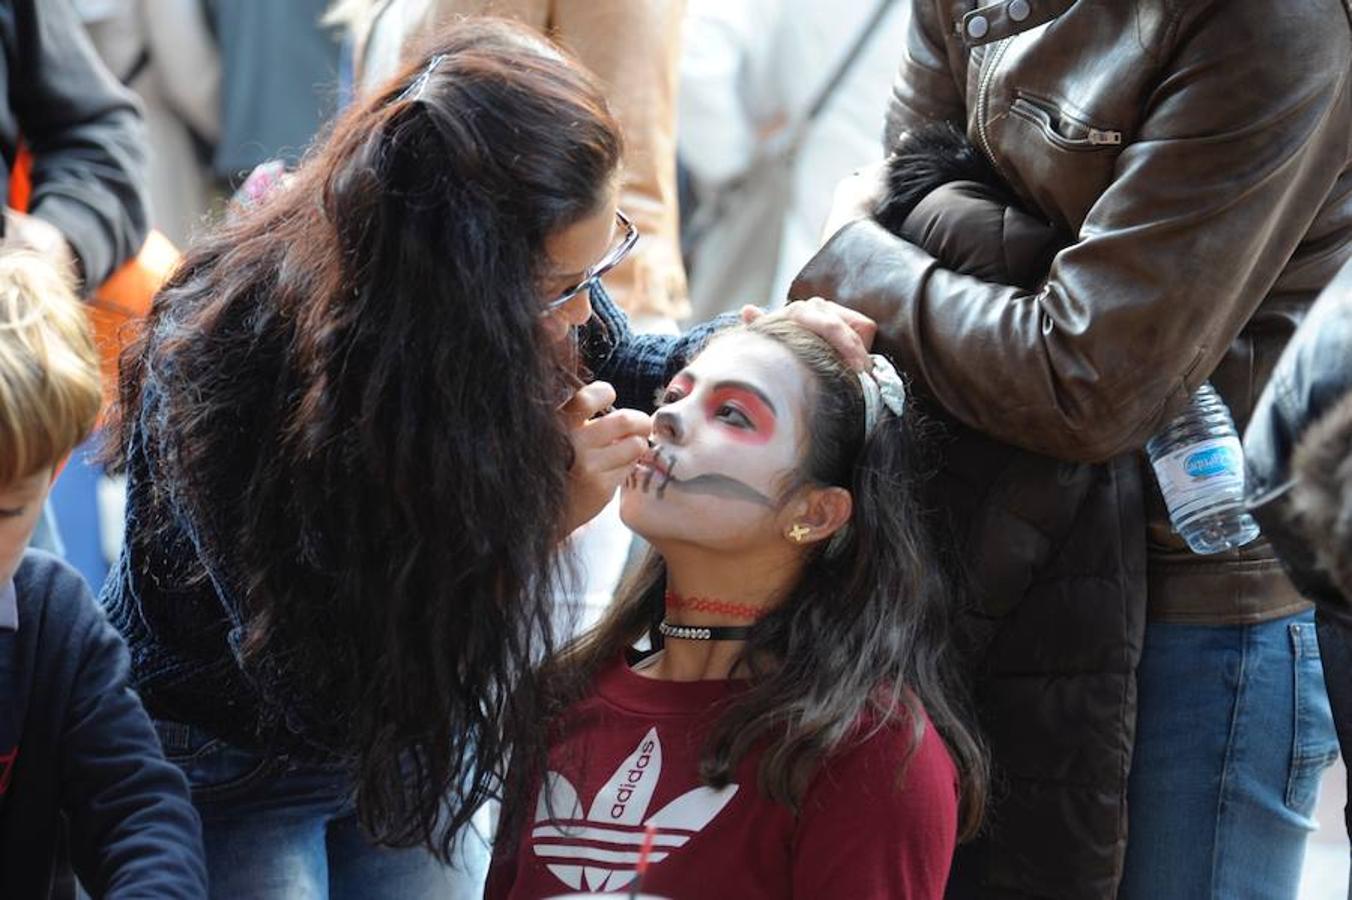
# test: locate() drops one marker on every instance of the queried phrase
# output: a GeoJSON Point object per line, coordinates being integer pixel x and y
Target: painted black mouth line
{"type": "Point", "coordinates": [711, 485]}
{"type": "Point", "coordinates": [632, 480]}
{"type": "Point", "coordinates": [725, 487]}
{"type": "Point", "coordinates": [670, 469]}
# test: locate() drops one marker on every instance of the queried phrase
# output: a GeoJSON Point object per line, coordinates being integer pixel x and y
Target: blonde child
{"type": "Point", "coordinates": [74, 739]}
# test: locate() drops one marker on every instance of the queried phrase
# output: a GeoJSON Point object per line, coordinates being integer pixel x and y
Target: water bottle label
{"type": "Point", "coordinates": [1200, 470]}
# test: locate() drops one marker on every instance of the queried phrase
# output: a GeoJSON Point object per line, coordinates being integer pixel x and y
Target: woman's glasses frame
{"type": "Point", "coordinates": [593, 276]}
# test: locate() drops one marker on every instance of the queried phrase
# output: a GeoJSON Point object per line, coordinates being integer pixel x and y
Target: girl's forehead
{"type": "Point", "coordinates": [749, 355]}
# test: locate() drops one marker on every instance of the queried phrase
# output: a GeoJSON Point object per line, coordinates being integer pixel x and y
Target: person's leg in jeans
{"type": "Point", "coordinates": [360, 870]}
{"type": "Point", "coordinates": [263, 823]}
{"type": "Point", "coordinates": [1233, 734]}
{"type": "Point", "coordinates": [274, 831]}
{"type": "Point", "coordinates": [277, 854]}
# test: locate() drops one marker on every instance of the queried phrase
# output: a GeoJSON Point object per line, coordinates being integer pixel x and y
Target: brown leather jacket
{"type": "Point", "coordinates": [1200, 154]}
{"type": "Point", "coordinates": [634, 49]}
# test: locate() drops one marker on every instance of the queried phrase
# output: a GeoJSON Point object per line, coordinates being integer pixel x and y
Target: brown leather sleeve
{"type": "Point", "coordinates": [634, 48]}
{"type": "Point", "coordinates": [1210, 200]}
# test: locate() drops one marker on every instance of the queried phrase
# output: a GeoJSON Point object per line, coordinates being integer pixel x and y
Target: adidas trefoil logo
{"type": "Point", "coordinates": [602, 846]}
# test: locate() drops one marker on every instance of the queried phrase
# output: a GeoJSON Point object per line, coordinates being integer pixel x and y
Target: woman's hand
{"type": "Point", "coordinates": [855, 197]}
{"type": "Point", "coordinates": [851, 333]}
{"type": "Point", "coordinates": [606, 444]}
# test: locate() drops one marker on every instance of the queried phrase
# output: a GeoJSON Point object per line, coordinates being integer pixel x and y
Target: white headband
{"type": "Point", "coordinates": [882, 388]}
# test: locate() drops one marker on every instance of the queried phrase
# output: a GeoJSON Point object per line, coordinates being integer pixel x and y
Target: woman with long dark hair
{"type": "Point", "coordinates": [355, 432]}
{"type": "Point", "coordinates": [799, 729]}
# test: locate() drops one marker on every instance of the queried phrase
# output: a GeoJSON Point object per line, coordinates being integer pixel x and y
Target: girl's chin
{"type": "Point", "coordinates": [666, 534]}
{"type": "Point", "coordinates": [636, 512]}
{"type": "Point", "coordinates": [656, 521]}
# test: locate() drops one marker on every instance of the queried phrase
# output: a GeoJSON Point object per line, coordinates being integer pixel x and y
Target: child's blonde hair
{"type": "Point", "coordinates": [49, 370]}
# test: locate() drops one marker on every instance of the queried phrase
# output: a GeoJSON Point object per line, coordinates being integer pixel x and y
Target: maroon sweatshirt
{"type": "Point", "coordinates": [629, 758]}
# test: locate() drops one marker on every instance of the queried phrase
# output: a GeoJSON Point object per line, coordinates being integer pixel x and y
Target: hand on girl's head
{"type": "Point", "coordinates": [850, 332]}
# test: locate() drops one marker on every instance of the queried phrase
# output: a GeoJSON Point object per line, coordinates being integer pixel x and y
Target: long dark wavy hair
{"type": "Point", "coordinates": [356, 416]}
{"type": "Point", "coordinates": [863, 636]}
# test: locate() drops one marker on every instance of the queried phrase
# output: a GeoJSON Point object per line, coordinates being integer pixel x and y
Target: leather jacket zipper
{"type": "Point", "coordinates": [994, 54]}
{"type": "Point", "coordinates": [1061, 128]}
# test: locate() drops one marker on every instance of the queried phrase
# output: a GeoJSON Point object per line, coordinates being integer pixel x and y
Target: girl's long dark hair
{"type": "Point", "coordinates": [354, 414]}
{"type": "Point", "coordinates": [863, 636]}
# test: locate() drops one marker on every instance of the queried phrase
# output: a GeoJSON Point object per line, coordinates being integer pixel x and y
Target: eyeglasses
{"type": "Point", "coordinates": [593, 276]}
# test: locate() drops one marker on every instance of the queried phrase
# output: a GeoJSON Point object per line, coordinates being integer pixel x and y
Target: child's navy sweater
{"type": "Point", "coordinates": [74, 739]}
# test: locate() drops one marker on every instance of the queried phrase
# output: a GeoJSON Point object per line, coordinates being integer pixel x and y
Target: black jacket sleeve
{"type": "Point", "coordinates": [85, 131]}
{"type": "Point", "coordinates": [133, 829]}
{"type": "Point", "coordinates": [1314, 372]}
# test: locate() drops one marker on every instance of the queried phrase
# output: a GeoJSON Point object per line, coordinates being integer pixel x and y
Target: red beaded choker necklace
{"type": "Point", "coordinates": [746, 611]}
{"type": "Point", "coordinates": [675, 602]}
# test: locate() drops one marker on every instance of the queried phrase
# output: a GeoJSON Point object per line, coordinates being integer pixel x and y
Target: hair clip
{"type": "Point", "coordinates": [882, 388]}
{"type": "Point", "coordinates": [414, 91]}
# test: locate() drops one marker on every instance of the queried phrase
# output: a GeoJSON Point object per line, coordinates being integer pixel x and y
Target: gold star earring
{"type": "Point", "coordinates": [798, 532]}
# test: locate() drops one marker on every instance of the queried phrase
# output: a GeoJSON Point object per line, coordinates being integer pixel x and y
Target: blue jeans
{"type": "Point", "coordinates": [1232, 737]}
{"type": "Point", "coordinates": [278, 831]}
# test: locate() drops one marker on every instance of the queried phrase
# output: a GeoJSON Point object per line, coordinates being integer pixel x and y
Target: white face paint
{"type": "Point", "coordinates": [726, 443]}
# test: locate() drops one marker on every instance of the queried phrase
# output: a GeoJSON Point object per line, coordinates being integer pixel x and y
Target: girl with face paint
{"type": "Point", "coordinates": [798, 727]}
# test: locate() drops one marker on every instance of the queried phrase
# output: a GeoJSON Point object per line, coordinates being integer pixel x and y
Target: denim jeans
{"type": "Point", "coordinates": [1233, 735]}
{"type": "Point", "coordinates": [278, 831]}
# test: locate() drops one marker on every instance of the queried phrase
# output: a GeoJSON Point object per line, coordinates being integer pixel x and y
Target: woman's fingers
{"type": "Point", "coordinates": [597, 433]}
{"type": "Point", "coordinates": [617, 458]}
{"type": "Point", "coordinates": [588, 401]}
{"type": "Point", "coordinates": [855, 197]}
{"type": "Point", "coordinates": [604, 450]}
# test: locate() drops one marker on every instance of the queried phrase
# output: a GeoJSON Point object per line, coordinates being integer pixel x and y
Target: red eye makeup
{"type": "Point", "coordinates": [756, 416]}
{"type": "Point", "coordinates": [751, 403]}
{"type": "Point", "coordinates": [682, 384]}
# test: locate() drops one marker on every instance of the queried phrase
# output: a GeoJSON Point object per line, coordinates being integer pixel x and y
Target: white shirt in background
{"type": "Point", "coordinates": [751, 69]}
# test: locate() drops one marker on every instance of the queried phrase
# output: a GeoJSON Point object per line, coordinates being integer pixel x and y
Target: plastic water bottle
{"type": "Point", "coordinates": [1199, 463]}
